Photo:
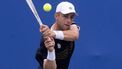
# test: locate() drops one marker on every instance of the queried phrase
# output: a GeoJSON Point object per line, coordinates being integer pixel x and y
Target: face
{"type": "Point", "coordinates": [64, 20]}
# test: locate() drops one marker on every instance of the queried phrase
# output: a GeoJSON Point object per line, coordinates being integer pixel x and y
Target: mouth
{"type": "Point", "coordinates": [67, 25]}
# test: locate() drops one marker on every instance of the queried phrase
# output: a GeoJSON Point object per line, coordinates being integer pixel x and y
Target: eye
{"type": "Point", "coordinates": [65, 15]}
{"type": "Point", "coordinates": [72, 17]}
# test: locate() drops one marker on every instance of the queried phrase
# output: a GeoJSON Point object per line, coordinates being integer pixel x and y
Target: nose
{"type": "Point", "coordinates": [69, 21]}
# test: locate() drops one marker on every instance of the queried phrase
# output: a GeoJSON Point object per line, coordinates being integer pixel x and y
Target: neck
{"type": "Point", "coordinates": [55, 27]}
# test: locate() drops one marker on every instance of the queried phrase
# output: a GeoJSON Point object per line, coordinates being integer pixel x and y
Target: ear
{"type": "Point", "coordinates": [57, 15]}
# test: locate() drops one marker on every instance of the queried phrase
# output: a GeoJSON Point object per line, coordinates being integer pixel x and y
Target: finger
{"type": "Point", "coordinates": [43, 28]}
{"type": "Point", "coordinates": [49, 44]}
{"type": "Point", "coordinates": [47, 39]}
{"type": "Point", "coordinates": [46, 33]}
{"type": "Point", "coordinates": [49, 33]}
{"type": "Point", "coordinates": [52, 39]}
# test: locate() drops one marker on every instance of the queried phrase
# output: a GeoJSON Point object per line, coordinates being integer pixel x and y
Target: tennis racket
{"type": "Point", "coordinates": [33, 9]}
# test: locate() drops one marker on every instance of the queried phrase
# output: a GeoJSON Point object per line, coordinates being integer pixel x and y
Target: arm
{"type": "Point", "coordinates": [72, 34]}
{"type": "Point", "coordinates": [68, 35]}
{"type": "Point", "coordinates": [50, 62]}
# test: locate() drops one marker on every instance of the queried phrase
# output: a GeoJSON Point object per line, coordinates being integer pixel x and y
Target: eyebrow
{"type": "Point", "coordinates": [65, 15]}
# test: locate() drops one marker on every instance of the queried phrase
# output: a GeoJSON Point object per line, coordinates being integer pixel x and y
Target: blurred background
{"type": "Point", "coordinates": [98, 47]}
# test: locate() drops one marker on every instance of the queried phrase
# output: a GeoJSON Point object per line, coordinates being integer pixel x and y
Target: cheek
{"type": "Point", "coordinates": [61, 21]}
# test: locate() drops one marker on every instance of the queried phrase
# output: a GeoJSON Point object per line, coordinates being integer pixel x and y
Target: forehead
{"type": "Point", "coordinates": [70, 14]}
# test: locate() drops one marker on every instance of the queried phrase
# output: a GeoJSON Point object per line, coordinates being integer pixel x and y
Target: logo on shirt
{"type": "Point", "coordinates": [59, 46]}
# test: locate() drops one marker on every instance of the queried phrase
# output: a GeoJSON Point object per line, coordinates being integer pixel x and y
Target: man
{"type": "Point", "coordinates": [57, 44]}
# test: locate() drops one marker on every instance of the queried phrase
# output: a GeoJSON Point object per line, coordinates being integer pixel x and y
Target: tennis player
{"type": "Point", "coordinates": [57, 43]}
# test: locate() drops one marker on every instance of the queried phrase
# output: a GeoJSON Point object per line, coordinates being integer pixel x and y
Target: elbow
{"type": "Point", "coordinates": [76, 36]}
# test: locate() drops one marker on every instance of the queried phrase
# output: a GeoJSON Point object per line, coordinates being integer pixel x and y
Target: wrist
{"type": "Point", "coordinates": [59, 35]}
{"type": "Point", "coordinates": [51, 55]}
{"type": "Point", "coordinates": [50, 49]}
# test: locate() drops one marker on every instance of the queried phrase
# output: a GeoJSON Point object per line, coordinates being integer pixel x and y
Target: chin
{"type": "Point", "coordinates": [66, 28]}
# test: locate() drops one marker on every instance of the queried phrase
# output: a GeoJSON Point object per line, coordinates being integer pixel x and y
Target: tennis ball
{"type": "Point", "coordinates": [47, 7]}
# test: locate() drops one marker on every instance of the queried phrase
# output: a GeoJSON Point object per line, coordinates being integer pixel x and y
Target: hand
{"type": "Point", "coordinates": [49, 43]}
{"type": "Point", "coordinates": [46, 31]}
{"type": "Point", "coordinates": [43, 28]}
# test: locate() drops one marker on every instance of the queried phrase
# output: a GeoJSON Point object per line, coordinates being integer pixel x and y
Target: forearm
{"type": "Point", "coordinates": [49, 64]}
{"type": "Point", "coordinates": [70, 35]}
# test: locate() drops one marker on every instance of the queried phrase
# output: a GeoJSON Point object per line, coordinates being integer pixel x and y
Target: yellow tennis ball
{"type": "Point", "coordinates": [47, 7]}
